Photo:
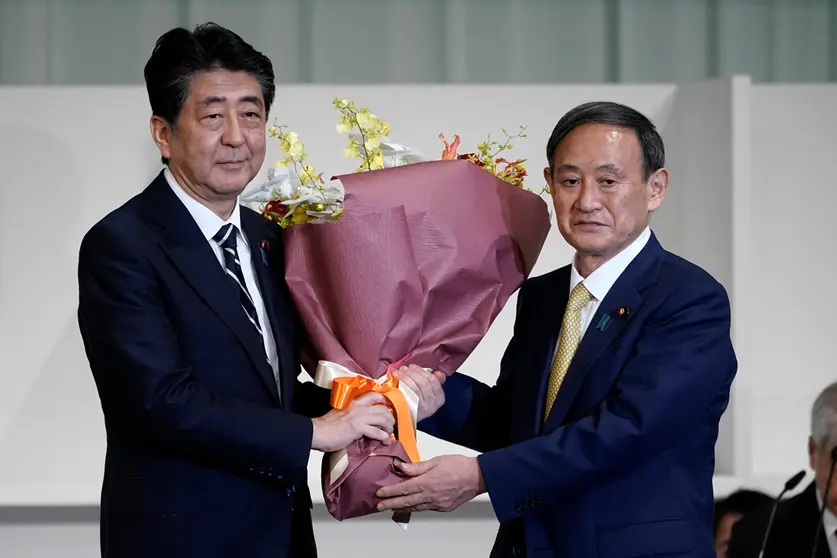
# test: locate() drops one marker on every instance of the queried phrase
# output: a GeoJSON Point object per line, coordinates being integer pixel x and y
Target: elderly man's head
{"type": "Point", "coordinates": [210, 94]}
{"type": "Point", "coordinates": [606, 175]}
{"type": "Point", "coordinates": [823, 440]}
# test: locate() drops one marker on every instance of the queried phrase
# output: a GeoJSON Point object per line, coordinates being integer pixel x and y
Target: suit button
{"type": "Point", "coordinates": [519, 508]}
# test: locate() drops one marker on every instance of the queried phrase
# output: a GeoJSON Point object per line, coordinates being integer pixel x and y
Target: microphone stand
{"type": "Point", "coordinates": [790, 485]}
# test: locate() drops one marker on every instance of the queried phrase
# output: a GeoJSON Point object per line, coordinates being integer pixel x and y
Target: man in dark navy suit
{"type": "Point", "coordinates": [191, 335]}
{"type": "Point", "coordinates": [598, 437]}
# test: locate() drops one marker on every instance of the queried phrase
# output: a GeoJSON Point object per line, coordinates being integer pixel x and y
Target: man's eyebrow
{"type": "Point", "coordinates": [250, 99]}
{"type": "Point", "coordinates": [605, 167]}
{"type": "Point", "coordinates": [212, 99]}
{"type": "Point", "coordinates": [612, 168]}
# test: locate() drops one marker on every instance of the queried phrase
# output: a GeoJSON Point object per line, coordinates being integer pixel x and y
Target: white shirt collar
{"type": "Point", "coordinates": [600, 281]}
{"type": "Point", "coordinates": [829, 520]}
{"type": "Point", "coordinates": [208, 222]}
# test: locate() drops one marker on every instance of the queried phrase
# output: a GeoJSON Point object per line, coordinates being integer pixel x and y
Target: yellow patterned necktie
{"type": "Point", "coordinates": [567, 344]}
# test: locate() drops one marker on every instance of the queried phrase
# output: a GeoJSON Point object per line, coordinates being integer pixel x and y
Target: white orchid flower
{"type": "Point", "coordinates": [282, 182]}
{"type": "Point", "coordinates": [395, 154]}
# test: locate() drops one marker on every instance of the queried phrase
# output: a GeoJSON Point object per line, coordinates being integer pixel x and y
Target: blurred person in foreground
{"type": "Point", "coordinates": [797, 519]}
{"type": "Point", "coordinates": [731, 509]}
{"type": "Point", "coordinates": [598, 438]}
{"type": "Point", "coordinates": [192, 338]}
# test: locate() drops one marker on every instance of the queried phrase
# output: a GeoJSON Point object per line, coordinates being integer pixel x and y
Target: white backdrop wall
{"type": "Point", "coordinates": [83, 151]}
{"type": "Point", "coordinates": [70, 155]}
{"type": "Point", "coordinates": [751, 201]}
{"type": "Point", "coordinates": [698, 132]}
{"type": "Point", "coordinates": [749, 196]}
{"type": "Point", "coordinates": [794, 266]}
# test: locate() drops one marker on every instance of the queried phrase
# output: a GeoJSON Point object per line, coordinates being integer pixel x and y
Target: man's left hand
{"type": "Point", "coordinates": [439, 484]}
{"type": "Point", "coordinates": [427, 385]}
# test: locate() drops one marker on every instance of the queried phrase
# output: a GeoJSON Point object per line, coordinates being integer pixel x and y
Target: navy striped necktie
{"type": "Point", "coordinates": [226, 238]}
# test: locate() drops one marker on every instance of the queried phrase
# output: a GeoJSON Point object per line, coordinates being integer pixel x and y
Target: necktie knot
{"type": "Point", "coordinates": [579, 297]}
{"type": "Point", "coordinates": [225, 236]}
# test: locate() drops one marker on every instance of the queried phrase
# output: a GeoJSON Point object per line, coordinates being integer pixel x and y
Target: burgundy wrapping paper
{"type": "Point", "coordinates": [422, 261]}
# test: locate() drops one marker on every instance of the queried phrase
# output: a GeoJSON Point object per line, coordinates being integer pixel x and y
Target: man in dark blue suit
{"type": "Point", "coordinates": [191, 335]}
{"type": "Point", "coordinates": [598, 438]}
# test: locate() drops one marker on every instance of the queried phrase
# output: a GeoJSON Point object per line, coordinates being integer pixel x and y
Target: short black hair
{"type": "Point", "coordinates": [604, 112]}
{"type": "Point", "coordinates": [181, 54]}
{"type": "Point", "coordinates": [741, 501]}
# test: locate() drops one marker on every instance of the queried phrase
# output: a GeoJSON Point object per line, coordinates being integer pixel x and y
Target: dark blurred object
{"type": "Point", "coordinates": [732, 508]}
{"type": "Point", "coordinates": [793, 530]}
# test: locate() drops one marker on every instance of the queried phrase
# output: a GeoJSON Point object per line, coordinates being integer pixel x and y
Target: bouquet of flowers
{"type": "Point", "coordinates": [405, 261]}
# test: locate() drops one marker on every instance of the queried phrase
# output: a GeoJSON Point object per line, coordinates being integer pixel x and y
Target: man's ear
{"type": "Point", "coordinates": [657, 188]}
{"type": "Point", "coordinates": [547, 176]}
{"type": "Point", "coordinates": [161, 133]}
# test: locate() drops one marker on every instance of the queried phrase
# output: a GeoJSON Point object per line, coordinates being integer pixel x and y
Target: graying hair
{"type": "Point", "coordinates": [824, 417]}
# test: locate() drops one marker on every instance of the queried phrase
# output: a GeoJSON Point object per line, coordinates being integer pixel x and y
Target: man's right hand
{"type": "Point", "coordinates": [366, 416]}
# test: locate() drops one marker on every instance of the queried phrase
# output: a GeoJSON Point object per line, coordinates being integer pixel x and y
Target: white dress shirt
{"type": "Point", "coordinates": [209, 224]}
{"type": "Point", "coordinates": [600, 281]}
{"type": "Point", "coordinates": [829, 523]}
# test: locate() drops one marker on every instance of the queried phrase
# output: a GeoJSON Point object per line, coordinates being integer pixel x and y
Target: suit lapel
{"type": "Point", "coordinates": [625, 293]}
{"type": "Point", "coordinates": [266, 252]}
{"type": "Point", "coordinates": [551, 302]}
{"type": "Point", "coordinates": [191, 253]}
{"type": "Point", "coordinates": [809, 521]}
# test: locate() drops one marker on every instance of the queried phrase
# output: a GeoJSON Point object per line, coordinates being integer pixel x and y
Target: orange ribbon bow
{"type": "Point", "coordinates": [346, 389]}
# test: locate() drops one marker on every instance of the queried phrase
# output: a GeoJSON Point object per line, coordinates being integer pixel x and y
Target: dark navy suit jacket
{"type": "Point", "coordinates": [202, 457]}
{"type": "Point", "coordinates": [623, 466]}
